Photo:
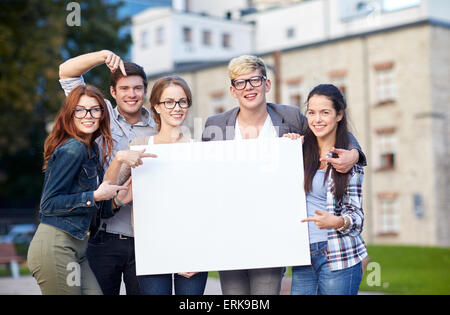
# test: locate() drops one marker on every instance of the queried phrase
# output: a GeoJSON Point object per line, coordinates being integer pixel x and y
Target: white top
{"type": "Point", "coordinates": [151, 140]}
{"type": "Point", "coordinates": [267, 131]}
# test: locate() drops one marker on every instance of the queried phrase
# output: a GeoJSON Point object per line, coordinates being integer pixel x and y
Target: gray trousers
{"type": "Point", "coordinates": [58, 263]}
{"type": "Point", "coordinates": [266, 281]}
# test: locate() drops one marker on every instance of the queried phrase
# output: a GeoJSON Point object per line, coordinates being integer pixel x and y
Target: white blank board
{"type": "Point", "coordinates": [222, 205]}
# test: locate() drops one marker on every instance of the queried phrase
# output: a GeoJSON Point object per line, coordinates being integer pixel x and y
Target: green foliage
{"type": "Point", "coordinates": [28, 59]}
{"type": "Point", "coordinates": [410, 270]}
{"type": "Point", "coordinates": [34, 40]}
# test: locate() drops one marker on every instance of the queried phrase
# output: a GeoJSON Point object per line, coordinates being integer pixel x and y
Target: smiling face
{"type": "Point", "coordinates": [129, 94]}
{"type": "Point", "coordinates": [87, 125]}
{"type": "Point", "coordinates": [176, 116]}
{"type": "Point", "coordinates": [251, 97]}
{"type": "Point", "coordinates": [322, 117]}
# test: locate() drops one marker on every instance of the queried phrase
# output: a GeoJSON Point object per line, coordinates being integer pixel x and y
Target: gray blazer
{"type": "Point", "coordinates": [285, 119]}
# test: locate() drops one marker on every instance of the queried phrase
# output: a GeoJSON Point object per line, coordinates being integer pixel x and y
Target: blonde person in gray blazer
{"type": "Point", "coordinates": [255, 118]}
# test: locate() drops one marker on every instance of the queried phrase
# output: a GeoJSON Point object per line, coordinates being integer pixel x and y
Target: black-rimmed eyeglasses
{"type": "Point", "coordinates": [171, 104]}
{"type": "Point", "coordinates": [80, 113]}
{"type": "Point", "coordinates": [254, 81]}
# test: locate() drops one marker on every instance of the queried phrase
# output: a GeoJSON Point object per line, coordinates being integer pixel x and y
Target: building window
{"type": "Point", "coordinates": [295, 99]}
{"type": "Point", "coordinates": [187, 35]}
{"type": "Point", "coordinates": [385, 83]}
{"type": "Point", "coordinates": [160, 35]}
{"type": "Point", "coordinates": [218, 102]}
{"type": "Point", "coordinates": [338, 79]}
{"type": "Point", "coordinates": [226, 40]}
{"type": "Point", "coordinates": [294, 89]}
{"type": "Point", "coordinates": [388, 214]}
{"type": "Point", "coordinates": [144, 39]}
{"type": "Point", "coordinates": [386, 139]}
{"type": "Point", "coordinates": [290, 33]}
{"type": "Point", "coordinates": [207, 38]}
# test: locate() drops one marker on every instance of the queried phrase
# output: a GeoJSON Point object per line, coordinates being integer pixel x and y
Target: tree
{"type": "Point", "coordinates": [34, 39]}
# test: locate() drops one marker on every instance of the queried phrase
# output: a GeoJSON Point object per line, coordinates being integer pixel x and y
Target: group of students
{"type": "Point", "coordinates": [86, 205]}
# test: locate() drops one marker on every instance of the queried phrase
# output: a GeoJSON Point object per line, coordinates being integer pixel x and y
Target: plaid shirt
{"type": "Point", "coordinates": [347, 248]}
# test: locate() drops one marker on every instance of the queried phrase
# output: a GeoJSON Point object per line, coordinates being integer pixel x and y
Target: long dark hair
{"type": "Point", "coordinates": [311, 154]}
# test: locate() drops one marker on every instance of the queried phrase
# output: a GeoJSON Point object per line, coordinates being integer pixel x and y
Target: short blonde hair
{"type": "Point", "coordinates": [245, 64]}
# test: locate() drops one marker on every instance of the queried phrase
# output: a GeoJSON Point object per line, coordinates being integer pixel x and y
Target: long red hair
{"type": "Point", "coordinates": [64, 127]}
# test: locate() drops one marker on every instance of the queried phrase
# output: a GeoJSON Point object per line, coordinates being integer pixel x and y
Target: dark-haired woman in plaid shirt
{"type": "Point", "coordinates": [333, 201]}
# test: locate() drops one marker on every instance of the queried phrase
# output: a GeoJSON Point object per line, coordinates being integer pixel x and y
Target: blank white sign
{"type": "Point", "coordinates": [220, 205]}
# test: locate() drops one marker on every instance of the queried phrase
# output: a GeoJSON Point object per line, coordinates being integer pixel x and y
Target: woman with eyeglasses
{"type": "Point", "coordinates": [74, 195]}
{"type": "Point", "coordinates": [170, 100]}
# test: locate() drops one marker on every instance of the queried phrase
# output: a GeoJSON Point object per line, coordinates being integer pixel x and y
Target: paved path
{"type": "Point", "coordinates": [26, 285]}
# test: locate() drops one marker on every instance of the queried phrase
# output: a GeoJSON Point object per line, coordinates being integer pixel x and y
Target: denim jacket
{"type": "Point", "coordinates": [67, 202]}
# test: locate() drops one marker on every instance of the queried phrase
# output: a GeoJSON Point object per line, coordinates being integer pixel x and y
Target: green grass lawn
{"type": "Point", "coordinates": [409, 270]}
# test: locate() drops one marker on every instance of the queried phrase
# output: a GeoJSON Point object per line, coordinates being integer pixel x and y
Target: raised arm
{"type": "Point", "coordinates": [77, 66]}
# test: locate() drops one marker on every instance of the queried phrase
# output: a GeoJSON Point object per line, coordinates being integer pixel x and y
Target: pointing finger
{"type": "Point", "coordinates": [144, 155]}
{"type": "Point", "coordinates": [116, 62]}
{"type": "Point", "coordinates": [311, 219]}
{"type": "Point", "coordinates": [122, 68]}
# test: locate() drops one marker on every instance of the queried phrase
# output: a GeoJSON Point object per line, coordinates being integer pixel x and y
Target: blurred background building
{"type": "Point", "coordinates": [391, 59]}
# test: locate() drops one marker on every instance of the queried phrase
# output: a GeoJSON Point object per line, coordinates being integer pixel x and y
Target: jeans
{"type": "Point", "coordinates": [162, 284]}
{"type": "Point", "coordinates": [111, 256]}
{"type": "Point", "coordinates": [318, 279]}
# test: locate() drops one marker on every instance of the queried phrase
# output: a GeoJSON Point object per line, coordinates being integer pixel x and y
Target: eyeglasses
{"type": "Point", "coordinates": [80, 113]}
{"type": "Point", "coordinates": [171, 104]}
{"type": "Point", "coordinates": [255, 82]}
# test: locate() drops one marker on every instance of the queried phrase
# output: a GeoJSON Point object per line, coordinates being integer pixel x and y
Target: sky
{"type": "Point", "coordinates": [132, 7]}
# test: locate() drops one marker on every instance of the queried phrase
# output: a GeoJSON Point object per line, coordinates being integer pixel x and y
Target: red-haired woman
{"type": "Point", "coordinates": [73, 195]}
